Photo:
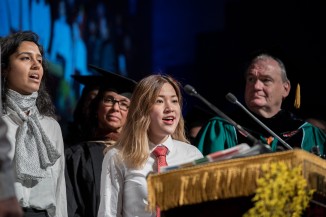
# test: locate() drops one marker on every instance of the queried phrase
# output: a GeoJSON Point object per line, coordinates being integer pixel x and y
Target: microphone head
{"type": "Point", "coordinates": [190, 90]}
{"type": "Point", "coordinates": [231, 98]}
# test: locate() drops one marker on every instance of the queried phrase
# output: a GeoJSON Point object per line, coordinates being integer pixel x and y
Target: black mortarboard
{"type": "Point", "coordinates": [107, 81]}
{"type": "Point", "coordinates": [112, 81]}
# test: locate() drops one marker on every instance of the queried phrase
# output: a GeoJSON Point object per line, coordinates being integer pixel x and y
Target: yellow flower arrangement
{"type": "Point", "coordinates": [280, 192]}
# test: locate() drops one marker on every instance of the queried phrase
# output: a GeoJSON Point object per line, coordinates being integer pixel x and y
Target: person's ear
{"type": "Point", "coordinates": [287, 88]}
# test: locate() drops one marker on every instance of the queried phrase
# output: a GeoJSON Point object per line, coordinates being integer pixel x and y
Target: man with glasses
{"type": "Point", "coordinates": [107, 115]}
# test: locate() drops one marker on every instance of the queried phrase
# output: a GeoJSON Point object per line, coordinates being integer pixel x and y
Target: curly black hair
{"type": "Point", "coordinates": [9, 45]}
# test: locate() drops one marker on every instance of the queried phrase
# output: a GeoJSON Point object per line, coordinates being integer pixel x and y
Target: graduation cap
{"type": "Point", "coordinates": [115, 82]}
{"type": "Point", "coordinates": [107, 81]}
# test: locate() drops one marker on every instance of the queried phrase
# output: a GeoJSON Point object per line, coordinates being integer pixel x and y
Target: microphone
{"type": "Point", "coordinates": [234, 100]}
{"type": "Point", "coordinates": [192, 92]}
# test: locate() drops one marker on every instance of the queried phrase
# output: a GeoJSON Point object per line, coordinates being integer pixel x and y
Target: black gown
{"type": "Point", "coordinates": [83, 176]}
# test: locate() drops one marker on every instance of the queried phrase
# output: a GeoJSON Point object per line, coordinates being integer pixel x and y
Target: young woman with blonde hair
{"type": "Point", "coordinates": [154, 120]}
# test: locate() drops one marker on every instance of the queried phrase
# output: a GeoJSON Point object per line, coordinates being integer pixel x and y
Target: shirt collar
{"type": "Point", "coordinates": [168, 143]}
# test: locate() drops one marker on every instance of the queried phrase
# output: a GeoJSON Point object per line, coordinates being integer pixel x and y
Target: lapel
{"type": "Point", "coordinates": [96, 154]}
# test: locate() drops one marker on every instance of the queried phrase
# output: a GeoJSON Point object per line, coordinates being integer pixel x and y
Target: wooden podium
{"type": "Point", "coordinates": [226, 188]}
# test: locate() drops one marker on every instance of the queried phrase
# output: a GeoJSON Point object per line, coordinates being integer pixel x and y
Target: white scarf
{"type": "Point", "coordinates": [34, 151]}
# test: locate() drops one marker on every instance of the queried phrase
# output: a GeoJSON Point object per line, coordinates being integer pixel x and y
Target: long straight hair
{"type": "Point", "coordinates": [133, 144]}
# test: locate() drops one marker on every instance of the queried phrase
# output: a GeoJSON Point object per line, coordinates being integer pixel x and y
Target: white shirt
{"type": "Point", "coordinates": [124, 190]}
{"type": "Point", "coordinates": [50, 193]}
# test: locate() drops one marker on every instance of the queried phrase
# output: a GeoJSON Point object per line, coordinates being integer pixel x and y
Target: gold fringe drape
{"type": "Point", "coordinates": [221, 180]}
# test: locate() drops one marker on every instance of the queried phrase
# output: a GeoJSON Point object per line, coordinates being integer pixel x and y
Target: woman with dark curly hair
{"type": "Point", "coordinates": [33, 132]}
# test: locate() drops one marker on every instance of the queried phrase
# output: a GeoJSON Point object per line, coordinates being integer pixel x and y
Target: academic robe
{"type": "Point", "coordinates": [83, 172]}
{"type": "Point", "coordinates": [218, 134]}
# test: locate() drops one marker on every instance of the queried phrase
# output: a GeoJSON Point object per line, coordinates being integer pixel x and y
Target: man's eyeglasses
{"type": "Point", "coordinates": [110, 101]}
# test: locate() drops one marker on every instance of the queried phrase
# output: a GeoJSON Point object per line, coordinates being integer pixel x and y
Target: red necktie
{"type": "Point", "coordinates": [160, 154]}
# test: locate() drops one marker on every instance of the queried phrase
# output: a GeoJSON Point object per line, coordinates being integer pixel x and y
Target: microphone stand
{"type": "Point", "coordinates": [234, 100]}
{"type": "Point", "coordinates": [192, 92]}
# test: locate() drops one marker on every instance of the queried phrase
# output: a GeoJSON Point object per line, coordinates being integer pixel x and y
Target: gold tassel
{"type": "Point", "coordinates": [297, 101]}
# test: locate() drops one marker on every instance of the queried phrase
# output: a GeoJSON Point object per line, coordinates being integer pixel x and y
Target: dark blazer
{"type": "Point", "coordinates": [83, 176]}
